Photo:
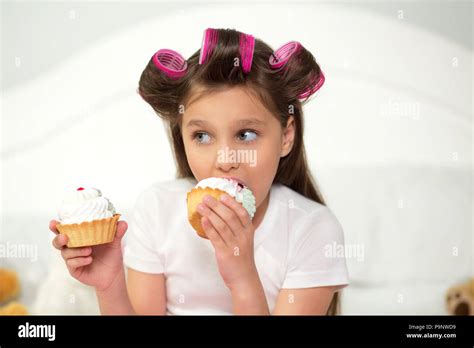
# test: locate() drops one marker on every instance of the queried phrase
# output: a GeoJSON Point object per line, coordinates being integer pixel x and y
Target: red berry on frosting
{"type": "Point", "coordinates": [80, 188]}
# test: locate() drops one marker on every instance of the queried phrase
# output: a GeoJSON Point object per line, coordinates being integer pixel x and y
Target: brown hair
{"type": "Point", "coordinates": [278, 91]}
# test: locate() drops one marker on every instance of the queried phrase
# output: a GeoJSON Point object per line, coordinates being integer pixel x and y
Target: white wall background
{"type": "Point", "coordinates": [389, 137]}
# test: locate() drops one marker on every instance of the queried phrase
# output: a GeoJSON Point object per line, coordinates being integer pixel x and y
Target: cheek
{"type": "Point", "coordinates": [200, 160]}
{"type": "Point", "coordinates": [268, 158]}
{"type": "Point", "coordinates": [190, 150]}
{"type": "Point", "coordinates": [195, 161]}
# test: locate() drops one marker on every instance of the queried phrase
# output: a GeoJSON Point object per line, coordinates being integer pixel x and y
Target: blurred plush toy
{"type": "Point", "coordinates": [13, 308]}
{"type": "Point", "coordinates": [460, 299]}
{"type": "Point", "coordinates": [9, 289]}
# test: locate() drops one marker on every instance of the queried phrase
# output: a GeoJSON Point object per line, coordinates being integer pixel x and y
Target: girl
{"type": "Point", "coordinates": [233, 109]}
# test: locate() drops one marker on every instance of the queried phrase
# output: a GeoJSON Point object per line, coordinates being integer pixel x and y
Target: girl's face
{"type": "Point", "coordinates": [230, 133]}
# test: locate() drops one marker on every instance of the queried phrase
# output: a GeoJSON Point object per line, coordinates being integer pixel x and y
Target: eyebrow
{"type": "Point", "coordinates": [242, 122]}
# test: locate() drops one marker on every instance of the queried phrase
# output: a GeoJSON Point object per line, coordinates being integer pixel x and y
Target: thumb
{"type": "Point", "coordinates": [121, 229]}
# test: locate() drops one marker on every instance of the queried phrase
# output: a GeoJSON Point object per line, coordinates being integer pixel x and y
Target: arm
{"type": "Point", "coordinates": [309, 301]}
{"type": "Point", "coordinates": [250, 298]}
{"type": "Point", "coordinates": [114, 299]}
{"type": "Point", "coordinates": [147, 292]}
{"type": "Point", "coordinates": [228, 227]}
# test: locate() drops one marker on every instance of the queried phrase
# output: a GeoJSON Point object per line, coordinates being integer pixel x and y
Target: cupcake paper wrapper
{"type": "Point", "coordinates": [90, 232]}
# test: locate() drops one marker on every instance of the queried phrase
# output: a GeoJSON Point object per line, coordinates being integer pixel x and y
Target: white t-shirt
{"type": "Point", "coordinates": [292, 248]}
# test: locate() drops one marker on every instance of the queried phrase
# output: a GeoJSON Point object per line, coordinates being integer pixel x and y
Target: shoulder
{"type": "Point", "coordinates": [295, 200]}
{"type": "Point", "coordinates": [308, 216]}
{"type": "Point", "coordinates": [302, 207]}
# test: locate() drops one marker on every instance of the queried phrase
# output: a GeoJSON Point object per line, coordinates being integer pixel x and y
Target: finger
{"type": "Point", "coordinates": [52, 226]}
{"type": "Point", "coordinates": [78, 262]}
{"type": "Point", "coordinates": [60, 241]}
{"type": "Point", "coordinates": [225, 213]}
{"type": "Point", "coordinates": [220, 226]}
{"type": "Point", "coordinates": [212, 234]}
{"type": "Point", "coordinates": [238, 209]}
{"type": "Point", "coordinates": [70, 253]}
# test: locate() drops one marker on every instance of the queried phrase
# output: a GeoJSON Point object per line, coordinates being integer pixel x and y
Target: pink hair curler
{"type": "Point", "coordinates": [281, 56]}
{"type": "Point", "coordinates": [313, 88]}
{"type": "Point", "coordinates": [247, 45]}
{"type": "Point", "coordinates": [209, 42]}
{"type": "Point", "coordinates": [171, 63]}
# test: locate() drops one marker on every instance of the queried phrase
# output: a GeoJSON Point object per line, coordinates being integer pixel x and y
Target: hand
{"type": "Point", "coordinates": [229, 228]}
{"type": "Point", "coordinates": [97, 265]}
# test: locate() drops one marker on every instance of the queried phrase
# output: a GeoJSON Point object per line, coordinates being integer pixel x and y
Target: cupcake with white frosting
{"type": "Point", "coordinates": [216, 187]}
{"type": "Point", "coordinates": [87, 218]}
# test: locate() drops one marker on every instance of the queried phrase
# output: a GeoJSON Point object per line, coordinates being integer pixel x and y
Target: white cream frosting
{"type": "Point", "coordinates": [84, 205]}
{"type": "Point", "coordinates": [242, 195]}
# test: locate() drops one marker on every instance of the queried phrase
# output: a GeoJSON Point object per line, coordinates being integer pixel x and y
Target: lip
{"type": "Point", "coordinates": [236, 179]}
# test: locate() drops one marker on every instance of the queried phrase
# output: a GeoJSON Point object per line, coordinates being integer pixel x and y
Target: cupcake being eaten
{"type": "Point", "coordinates": [87, 218]}
{"type": "Point", "coordinates": [216, 187]}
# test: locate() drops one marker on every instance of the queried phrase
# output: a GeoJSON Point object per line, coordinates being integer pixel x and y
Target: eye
{"type": "Point", "coordinates": [201, 137]}
{"type": "Point", "coordinates": [248, 135]}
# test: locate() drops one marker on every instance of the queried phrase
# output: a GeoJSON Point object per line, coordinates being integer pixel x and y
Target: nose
{"type": "Point", "coordinates": [226, 158]}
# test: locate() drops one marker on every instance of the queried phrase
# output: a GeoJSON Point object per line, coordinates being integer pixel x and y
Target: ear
{"type": "Point", "coordinates": [288, 137]}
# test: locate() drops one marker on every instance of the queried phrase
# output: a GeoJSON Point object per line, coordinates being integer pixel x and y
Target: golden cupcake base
{"type": "Point", "coordinates": [195, 197]}
{"type": "Point", "coordinates": [90, 232]}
